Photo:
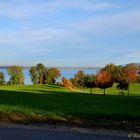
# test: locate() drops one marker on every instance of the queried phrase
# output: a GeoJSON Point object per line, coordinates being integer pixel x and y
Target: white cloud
{"type": "Point", "coordinates": [21, 9]}
{"type": "Point", "coordinates": [31, 35]}
{"type": "Point", "coordinates": [128, 21]}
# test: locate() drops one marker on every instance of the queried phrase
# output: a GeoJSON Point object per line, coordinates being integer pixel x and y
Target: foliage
{"type": "Point", "coordinates": [138, 78]}
{"type": "Point", "coordinates": [38, 74]}
{"type": "Point", "coordinates": [111, 68]}
{"type": "Point", "coordinates": [33, 74]}
{"type": "Point", "coordinates": [67, 83]}
{"type": "Point", "coordinates": [131, 71]}
{"type": "Point", "coordinates": [52, 75]}
{"type": "Point", "coordinates": [2, 78]}
{"type": "Point", "coordinates": [41, 70]}
{"type": "Point", "coordinates": [123, 85]}
{"type": "Point", "coordinates": [89, 81]}
{"type": "Point", "coordinates": [104, 79]}
{"type": "Point", "coordinates": [42, 75]}
{"type": "Point", "coordinates": [78, 79]}
{"type": "Point", "coordinates": [16, 75]}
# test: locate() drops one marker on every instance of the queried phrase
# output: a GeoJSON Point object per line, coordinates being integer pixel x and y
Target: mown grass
{"type": "Point", "coordinates": [44, 103]}
{"type": "Point", "coordinates": [134, 90]}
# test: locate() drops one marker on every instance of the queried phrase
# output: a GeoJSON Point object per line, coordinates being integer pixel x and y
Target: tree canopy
{"type": "Point", "coordinates": [16, 75]}
{"type": "Point", "coordinates": [104, 79]}
{"type": "Point", "coordinates": [43, 75]}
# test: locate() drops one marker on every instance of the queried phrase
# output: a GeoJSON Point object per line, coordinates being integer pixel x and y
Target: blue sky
{"type": "Point", "coordinates": [69, 32]}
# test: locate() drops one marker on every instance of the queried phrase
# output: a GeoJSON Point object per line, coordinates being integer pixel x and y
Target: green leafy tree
{"type": "Point", "coordinates": [38, 74]}
{"type": "Point", "coordinates": [79, 79]}
{"type": "Point", "coordinates": [34, 74]}
{"type": "Point", "coordinates": [123, 85]}
{"type": "Point", "coordinates": [89, 81]}
{"type": "Point", "coordinates": [118, 74]}
{"type": "Point", "coordinates": [41, 70]}
{"type": "Point", "coordinates": [16, 75]}
{"type": "Point", "coordinates": [2, 78]}
{"type": "Point", "coordinates": [52, 75]}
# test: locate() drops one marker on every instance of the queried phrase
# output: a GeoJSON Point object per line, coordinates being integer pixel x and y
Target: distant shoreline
{"type": "Point", "coordinates": [79, 68]}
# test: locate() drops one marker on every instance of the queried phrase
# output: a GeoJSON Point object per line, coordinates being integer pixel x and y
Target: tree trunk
{"type": "Point", "coordinates": [91, 90]}
{"type": "Point", "coordinates": [128, 90]}
{"type": "Point", "coordinates": [104, 91]}
{"type": "Point", "coordinates": [122, 92]}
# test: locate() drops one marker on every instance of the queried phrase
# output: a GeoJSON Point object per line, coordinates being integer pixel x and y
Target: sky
{"type": "Point", "coordinates": [79, 33]}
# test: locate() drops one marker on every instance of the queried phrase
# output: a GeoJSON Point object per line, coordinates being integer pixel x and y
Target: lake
{"type": "Point", "coordinates": [68, 73]}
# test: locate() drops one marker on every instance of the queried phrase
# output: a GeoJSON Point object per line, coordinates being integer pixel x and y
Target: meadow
{"type": "Point", "coordinates": [55, 104]}
{"type": "Point", "coordinates": [133, 87]}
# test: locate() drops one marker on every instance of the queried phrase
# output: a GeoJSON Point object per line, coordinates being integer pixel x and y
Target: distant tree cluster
{"type": "Point", "coordinates": [81, 79]}
{"type": "Point", "coordinates": [39, 75]}
{"type": "Point", "coordinates": [43, 75]}
{"type": "Point", "coordinates": [16, 75]}
{"type": "Point", "coordinates": [123, 76]}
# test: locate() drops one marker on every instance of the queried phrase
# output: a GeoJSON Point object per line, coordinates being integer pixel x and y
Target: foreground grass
{"type": "Point", "coordinates": [44, 103]}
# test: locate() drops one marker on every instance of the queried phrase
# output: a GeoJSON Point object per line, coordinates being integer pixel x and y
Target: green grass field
{"type": "Point", "coordinates": [42, 103]}
{"type": "Point", "coordinates": [134, 90]}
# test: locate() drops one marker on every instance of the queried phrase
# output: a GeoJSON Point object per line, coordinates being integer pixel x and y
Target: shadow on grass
{"type": "Point", "coordinates": [77, 104]}
{"type": "Point", "coordinates": [75, 107]}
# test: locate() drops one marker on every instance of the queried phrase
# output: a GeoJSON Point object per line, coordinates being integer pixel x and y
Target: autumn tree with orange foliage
{"type": "Point", "coordinates": [104, 79]}
{"type": "Point", "coordinates": [131, 71]}
{"type": "Point", "coordinates": [67, 83]}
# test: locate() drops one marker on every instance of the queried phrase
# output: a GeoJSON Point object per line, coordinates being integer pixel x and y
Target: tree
{"type": "Point", "coordinates": [78, 79]}
{"type": "Point", "coordinates": [104, 79]}
{"type": "Point", "coordinates": [41, 70]}
{"type": "Point", "coordinates": [74, 81]}
{"type": "Point", "coordinates": [138, 78]}
{"type": "Point", "coordinates": [42, 75]}
{"type": "Point", "coordinates": [2, 78]}
{"type": "Point", "coordinates": [89, 81]}
{"type": "Point", "coordinates": [123, 85]}
{"type": "Point", "coordinates": [16, 75]}
{"type": "Point", "coordinates": [67, 83]}
{"type": "Point", "coordinates": [38, 74]}
{"type": "Point", "coordinates": [111, 68]}
{"type": "Point", "coordinates": [33, 74]}
{"type": "Point", "coordinates": [131, 72]}
{"type": "Point", "coordinates": [118, 74]}
{"type": "Point", "coordinates": [52, 75]}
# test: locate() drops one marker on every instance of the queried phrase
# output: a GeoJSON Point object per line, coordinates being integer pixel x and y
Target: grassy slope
{"type": "Point", "coordinates": [41, 102]}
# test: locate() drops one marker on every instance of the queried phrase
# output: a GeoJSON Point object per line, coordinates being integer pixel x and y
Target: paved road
{"type": "Point", "coordinates": [21, 133]}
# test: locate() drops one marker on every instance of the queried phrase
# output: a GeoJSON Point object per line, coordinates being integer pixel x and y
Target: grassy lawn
{"type": "Point", "coordinates": [41, 103]}
{"type": "Point", "coordinates": [134, 90]}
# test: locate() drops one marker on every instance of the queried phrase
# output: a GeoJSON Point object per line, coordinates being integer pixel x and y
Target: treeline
{"type": "Point", "coordinates": [123, 76]}
{"type": "Point", "coordinates": [39, 75]}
